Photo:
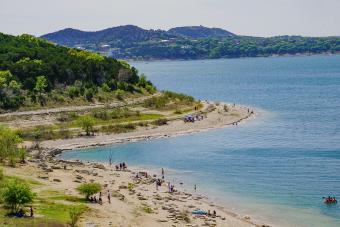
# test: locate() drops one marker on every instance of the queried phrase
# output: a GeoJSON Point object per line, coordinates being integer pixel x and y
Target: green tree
{"type": "Point", "coordinates": [9, 141]}
{"type": "Point", "coordinates": [40, 86]}
{"type": "Point", "coordinates": [16, 194]}
{"type": "Point", "coordinates": [89, 189]}
{"type": "Point", "coordinates": [86, 122]}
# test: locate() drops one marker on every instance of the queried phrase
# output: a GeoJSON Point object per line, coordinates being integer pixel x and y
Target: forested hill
{"type": "Point", "coordinates": [34, 71]}
{"type": "Point", "coordinates": [191, 42]}
{"type": "Point", "coordinates": [197, 32]}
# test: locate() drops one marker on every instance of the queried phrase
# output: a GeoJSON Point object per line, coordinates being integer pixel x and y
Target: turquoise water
{"type": "Point", "coordinates": [275, 168]}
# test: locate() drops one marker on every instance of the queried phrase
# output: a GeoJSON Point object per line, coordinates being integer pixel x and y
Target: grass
{"type": "Point", "coordinates": [59, 196]}
{"type": "Point", "coordinates": [58, 211]}
{"type": "Point", "coordinates": [30, 182]}
{"type": "Point", "coordinates": [147, 209]}
{"type": "Point", "coordinates": [50, 208]}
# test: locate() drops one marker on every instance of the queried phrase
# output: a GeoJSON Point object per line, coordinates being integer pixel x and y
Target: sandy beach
{"type": "Point", "coordinates": [214, 117]}
{"type": "Point", "coordinates": [142, 204]}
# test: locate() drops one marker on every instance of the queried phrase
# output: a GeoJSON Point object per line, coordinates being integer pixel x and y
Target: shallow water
{"type": "Point", "coordinates": [275, 168]}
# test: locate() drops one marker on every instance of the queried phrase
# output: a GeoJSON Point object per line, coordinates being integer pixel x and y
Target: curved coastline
{"type": "Point", "coordinates": [214, 119]}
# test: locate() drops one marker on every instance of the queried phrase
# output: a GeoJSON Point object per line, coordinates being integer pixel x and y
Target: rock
{"type": "Point", "coordinates": [77, 181]}
{"type": "Point", "coordinates": [44, 177]}
{"type": "Point", "coordinates": [162, 220]}
{"type": "Point", "coordinates": [84, 171]}
{"type": "Point", "coordinates": [122, 187]}
{"type": "Point", "coordinates": [79, 177]}
{"type": "Point", "coordinates": [55, 167]}
{"type": "Point", "coordinates": [56, 180]}
{"type": "Point", "coordinates": [55, 152]}
{"type": "Point", "coordinates": [99, 166]}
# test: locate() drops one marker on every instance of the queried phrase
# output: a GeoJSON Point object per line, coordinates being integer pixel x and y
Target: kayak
{"type": "Point", "coordinates": [200, 212]}
{"type": "Point", "coordinates": [331, 201]}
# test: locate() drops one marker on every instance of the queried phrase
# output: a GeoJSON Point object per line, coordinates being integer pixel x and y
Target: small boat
{"type": "Point", "coordinates": [330, 200]}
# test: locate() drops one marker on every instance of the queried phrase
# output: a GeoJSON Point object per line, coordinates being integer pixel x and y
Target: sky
{"type": "Point", "coordinates": [243, 17]}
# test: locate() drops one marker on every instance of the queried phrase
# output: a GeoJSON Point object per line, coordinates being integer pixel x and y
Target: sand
{"type": "Point", "coordinates": [127, 207]}
{"type": "Point", "coordinates": [216, 117]}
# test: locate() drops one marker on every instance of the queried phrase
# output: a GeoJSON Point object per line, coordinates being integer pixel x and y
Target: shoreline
{"type": "Point", "coordinates": [224, 58]}
{"type": "Point", "coordinates": [215, 119]}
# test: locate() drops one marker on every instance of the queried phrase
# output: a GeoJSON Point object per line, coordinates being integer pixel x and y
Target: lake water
{"type": "Point", "coordinates": [275, 168]}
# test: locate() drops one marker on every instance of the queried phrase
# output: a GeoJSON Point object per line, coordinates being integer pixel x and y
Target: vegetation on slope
{"type": "Point", "coordinates": [34, 72]}
{"type": "Point", "coordinates": [195, 42]}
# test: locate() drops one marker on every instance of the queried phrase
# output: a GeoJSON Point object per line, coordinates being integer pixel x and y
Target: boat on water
{"type": "Point", "coordinates": [330, 200]}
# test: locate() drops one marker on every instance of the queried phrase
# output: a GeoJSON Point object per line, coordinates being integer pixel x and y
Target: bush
{"type": "Point", "coordinates": [131, 186]}
{"type": "Point", "coordinates": [160, 122]}
{"type": "Point", "coordinates": [75, 213]}
{"type": "Point", "coordinates": [73, 91]}
{"type": "Point", "coordinates": [1, 175]}
{"type": "Point", "coordinates": [86, 123]}
{"type": "Point", "coordinates": [9, 141]}
{"type": "Point", "coordinates": [89, 94]}
{"type": "Point", "coordinates": [120, 94]}
{"type": "Point", "coordinates": [89, 189]}
{"type": "Point", "coordinates": [106, 88]}
{"type": "Point", "coordinates": [101, 114]}
{"type": "Point", "coordinates": [16, 194]}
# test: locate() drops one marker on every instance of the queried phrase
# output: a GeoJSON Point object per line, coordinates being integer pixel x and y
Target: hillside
{"type": "Point", "coordinates": [191, 42]}
{"type": "Point", "coordinates": [34, 72]}
{"type": "Point", "coordinates": [197, 32]}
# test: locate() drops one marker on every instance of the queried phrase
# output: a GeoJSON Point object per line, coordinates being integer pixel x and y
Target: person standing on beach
{"type": "Point", "coordinates": [162, 173]}
{"type": "Point", "coordinates": [31, 212]}
{"type": "Point", "coordinates": [108, 196]}
{"type": "Point", "coordinates": [195, 187]}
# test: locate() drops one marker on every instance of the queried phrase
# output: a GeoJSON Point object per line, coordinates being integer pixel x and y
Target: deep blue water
{"type": "Point", "coordinates": [276, 167]}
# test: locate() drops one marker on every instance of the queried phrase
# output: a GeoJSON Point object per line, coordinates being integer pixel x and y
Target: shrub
{"type": "Point", "coordinates": [16, 194]}
{"type": "Point", "coordinates": [73, 91]}
{"type": "Point", "coordinates": [86, 122]}
{"type": "Point", "coordinates": [9, 141]}
{"type": "Point", "coordinates": [120, 94]}
{"type": "Point", "coordinates": [89, 189]}
{"type": "Point", "coordinates": [101, 114]}
{"type": "Point", "coordinates": [131, 186]}
{"type": "Point", "coordinates": [22, 155]}
{"type": "Point", "coordinates": [75, 213]}
{"type": "Point", "coordinates": [147, 209]}
{"type": "Point", "coordinates": [89, 94]}
{"type": "Point", "coordinates": [106, 88]}
{"type": "Point", "coordinates": [160, 122]}
{"type": "Point", "coordinates": [1, 175]}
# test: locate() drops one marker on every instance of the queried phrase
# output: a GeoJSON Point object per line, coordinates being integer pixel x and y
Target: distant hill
{"type": "Point", "coordinates": [189, 42]}
{"type": "Point", "coordinates": [128, 33]}
{"type": "Point", "coordinates": [200, 32]}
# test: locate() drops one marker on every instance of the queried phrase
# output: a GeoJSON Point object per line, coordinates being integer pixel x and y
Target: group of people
{"type": "Point", "coordinates": [21, 213]}
{"type": "Point", "coordinates": [121, 166]}
{"type": "Point", "coordinates": [330, 200]}
{"type": "Point", "coordinates": [191, 118]}
{"type": "Point", "coordinates": [93, 199]}
{"type": "Point", "coordinates": [171, 188]}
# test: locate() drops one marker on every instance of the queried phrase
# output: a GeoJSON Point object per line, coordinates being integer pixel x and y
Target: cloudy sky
{"type": "Point", "coordinates": [245, 17]}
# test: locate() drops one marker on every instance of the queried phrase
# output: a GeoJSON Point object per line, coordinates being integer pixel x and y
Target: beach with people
{"type": "Point", "coordinates": [213, 115]}
{"type": "Point", "coordinates": [132, 196]}
{"type": "Point", "coordinates": [128, 196]}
